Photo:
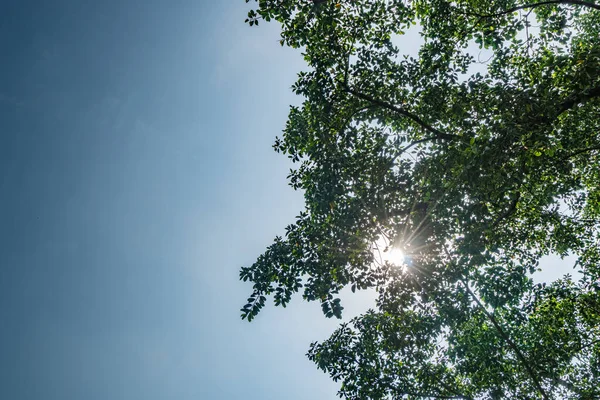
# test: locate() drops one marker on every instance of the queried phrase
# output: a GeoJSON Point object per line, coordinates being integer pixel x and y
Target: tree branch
{"type": "Point", "coordinates": [581, 151]}
{"type": "Point", "coordinates": [577, 98]}
{"type": "Point", "coordinates": [508, 341]}
{"type": "Point", "coordinates": [584, 347]}
{"type": "Point", "coordinates": [538, 4]}
{"type": "Point", "coordinates": [511, 209]}
{"type": "Point", "coordinates": [355, 113]}
{"type": "Point", "coordinates": [438, 134]}
{"type": "Point", "coordinates": [433, 396]}
{"type": "Point", "coordinates": [427, 139]}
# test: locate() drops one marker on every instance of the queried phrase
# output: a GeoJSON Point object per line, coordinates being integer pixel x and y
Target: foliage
{"type": "Point", "coordinates": [475, 169]}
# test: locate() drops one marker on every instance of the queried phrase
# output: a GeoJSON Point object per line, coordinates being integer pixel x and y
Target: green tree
{"type": "Point", "coordinates": [476, 170]}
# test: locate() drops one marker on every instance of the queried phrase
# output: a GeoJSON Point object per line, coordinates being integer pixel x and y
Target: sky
{"type": "Point", "coordinates": [136, 178]}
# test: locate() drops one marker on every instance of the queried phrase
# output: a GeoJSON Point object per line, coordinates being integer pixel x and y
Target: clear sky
{"type": "Point", "coordinates": [136, 177]}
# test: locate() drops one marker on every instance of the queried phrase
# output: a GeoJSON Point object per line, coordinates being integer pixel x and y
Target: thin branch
{"type": "Point", "coordinates": [451, 390]}
{"type": "Point", "coordinates": [578, 98]}
{"type": "Point", "coordinates": [433, 396]}
{"type": "Point", "coordinates": [511, 209]}
{"type": "Point", "coordinates": [565, 384]}
{"type": "Point", "coordinates": [354, 114]}
{"type": "Point", "coordinates": [438, 134]}
{"type": "Point", "coordinates": [527, 32]}
{"type": "Point", "coordinates": [405, 149]}
{"type": "Point", "coordinates": [588, 345]}
{"type": "Point", "coordinates": [541, 3]}
{"type": "Point", "coordinates": [568, 103]}
{"type": "Point", "coordinates": [581, 151]}
{"type": "Point", "coordinates": [508, 341]}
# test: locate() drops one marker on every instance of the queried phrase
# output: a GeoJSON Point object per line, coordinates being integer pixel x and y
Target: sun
{"type": "Point", "coordinates": [385, 252]}
{"type": "Point", "coordinates": [394, 256]}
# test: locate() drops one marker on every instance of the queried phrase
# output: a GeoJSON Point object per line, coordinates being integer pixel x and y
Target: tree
{"type": "Point", "coordinates": [476, 170]}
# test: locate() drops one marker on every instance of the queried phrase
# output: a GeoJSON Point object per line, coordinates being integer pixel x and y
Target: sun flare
{"type": "Point", "coordinates": [384, 253]}
{"type": "Point", "coordinates": [394, 256]}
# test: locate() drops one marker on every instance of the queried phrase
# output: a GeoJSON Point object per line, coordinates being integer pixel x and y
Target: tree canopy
{"type": "Point", "coordinates": [475, 169]}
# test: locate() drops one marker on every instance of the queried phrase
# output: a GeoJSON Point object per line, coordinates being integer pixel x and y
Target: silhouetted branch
{"type": "Point", "coordinates": [578, 98]}
{"type": "Point", "coordinates": [581, 151]}
{"type": "Point", "coordinates": [508, 340]}
{"type": "Point", "coordinates": [399, 110]}
{"type": "Point", "coordinates": [538, 4]}
{"type": "Point", "coordinates": [509, 211]}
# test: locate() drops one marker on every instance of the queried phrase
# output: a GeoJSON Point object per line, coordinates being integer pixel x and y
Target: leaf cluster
{"type": "Point", "coordinates": [476, 170]}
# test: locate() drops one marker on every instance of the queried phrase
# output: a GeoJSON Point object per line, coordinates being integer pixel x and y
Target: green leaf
{"type": "Point", "coordinates": [438, 154]}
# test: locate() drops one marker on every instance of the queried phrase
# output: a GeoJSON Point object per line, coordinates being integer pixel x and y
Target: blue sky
{"type": "Point", "coordinates": [136, 177]}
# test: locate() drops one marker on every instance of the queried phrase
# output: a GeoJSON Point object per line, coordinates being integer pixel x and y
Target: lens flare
{"type": "Point", "coordinates": [394, 256]}
{"type": "Point", "coordinates": [384, 253]}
